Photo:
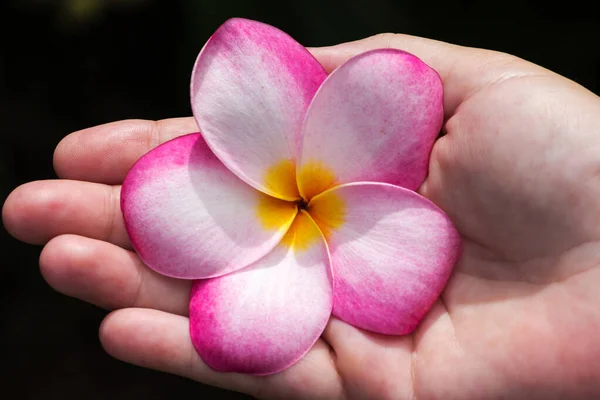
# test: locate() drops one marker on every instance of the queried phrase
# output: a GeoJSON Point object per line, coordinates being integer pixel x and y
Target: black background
{"type": "Point", "coordinates": [70, 64]}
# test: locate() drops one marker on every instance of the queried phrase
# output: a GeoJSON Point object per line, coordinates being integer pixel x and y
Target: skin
{"type": "Point", "coordinates": [518, 171]}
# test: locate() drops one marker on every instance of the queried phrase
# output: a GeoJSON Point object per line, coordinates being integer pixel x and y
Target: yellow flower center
{"type": "Point", "coordinates": [306, 192]}
{"type": "Point", "coordinates": [280, 179]}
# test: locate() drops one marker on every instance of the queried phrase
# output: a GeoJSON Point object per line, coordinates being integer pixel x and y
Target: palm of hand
{"type": "Point", "coordinates": [517, 319]}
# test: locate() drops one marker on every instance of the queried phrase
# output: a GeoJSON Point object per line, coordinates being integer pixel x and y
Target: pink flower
{"type": "Point", "coordinates": [296, 201]}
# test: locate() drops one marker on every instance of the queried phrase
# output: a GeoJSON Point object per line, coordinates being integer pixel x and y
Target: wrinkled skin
{"type": "Point", "coordinates": [518, 171]}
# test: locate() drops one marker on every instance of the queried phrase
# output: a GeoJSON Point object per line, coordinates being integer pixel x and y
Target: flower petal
{"type": "Point", "coordinates": [251, 86]}
{"type": "Point", "coordinates": [392, 252]}
{"type": "Point", "coordinates": [375, 118]}
{"type": "Point", "coordinates": [189, 217]}
{"type": "Point", "coordinates": [264, 318]}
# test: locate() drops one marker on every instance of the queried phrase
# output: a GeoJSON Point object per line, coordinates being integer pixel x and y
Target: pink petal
{"type": "Point", "coordinates": [375, 118]}
{"type": "Point", "coordinates": [392, 252]}
{"type": "Point", "coordinates": [251, 86]}
{"type": "Point", "coordinates": [189, 217]}
{"type": "Point", "coordinates": [264, 318]}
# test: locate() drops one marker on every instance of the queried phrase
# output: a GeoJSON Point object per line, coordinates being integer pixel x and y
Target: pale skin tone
{"type": "Point", "coordinates": [518, 171]}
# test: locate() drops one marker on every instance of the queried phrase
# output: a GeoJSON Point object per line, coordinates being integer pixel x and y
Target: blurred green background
{"type": "Point", "coordinates": [70, 64]}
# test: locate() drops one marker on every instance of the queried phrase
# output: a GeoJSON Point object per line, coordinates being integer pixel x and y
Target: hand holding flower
{"type": "Point", "coordinates": [517, 174]}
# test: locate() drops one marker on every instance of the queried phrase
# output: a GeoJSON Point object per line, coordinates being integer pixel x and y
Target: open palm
{"type": "Point", "coordinates": [518, 171]}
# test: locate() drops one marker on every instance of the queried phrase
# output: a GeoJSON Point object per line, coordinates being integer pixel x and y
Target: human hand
{"type": "Point", "coordinates": [517, 172]}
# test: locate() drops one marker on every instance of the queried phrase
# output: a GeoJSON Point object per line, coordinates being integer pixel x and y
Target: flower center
{"type": "Point", "coordinates": [301, 204]}
{"type": "Point", "coordinates": [314, 178]}
{"type": "Point", "coordinates": [291, 196]}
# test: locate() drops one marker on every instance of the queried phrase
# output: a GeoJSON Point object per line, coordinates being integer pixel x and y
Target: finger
{"type": "Point", "coordinates": [463, 70]}
{"type": "Point", "coordinates": [38, 211]}
{"type": "Point", "coordinates": [157, 340]}
{"type": "Point", "coordinates": [106, 152]}
{"type": "Point", "coordinates": [109, 276]}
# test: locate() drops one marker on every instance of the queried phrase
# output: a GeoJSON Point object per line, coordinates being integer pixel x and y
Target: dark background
{"type": "Point", "coordinates": [70, 64]}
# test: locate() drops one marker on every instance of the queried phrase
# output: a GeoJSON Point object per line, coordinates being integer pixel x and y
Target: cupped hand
{"type": "Point", "coordinates": [517, 170]}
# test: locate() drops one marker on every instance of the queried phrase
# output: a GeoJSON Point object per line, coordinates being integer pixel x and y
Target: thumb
{"type": "Point", "coordinates": [463, 70]}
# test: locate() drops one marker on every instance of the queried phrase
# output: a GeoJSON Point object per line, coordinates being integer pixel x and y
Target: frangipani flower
{"type": "Point", "coordinates": [296, 201]}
